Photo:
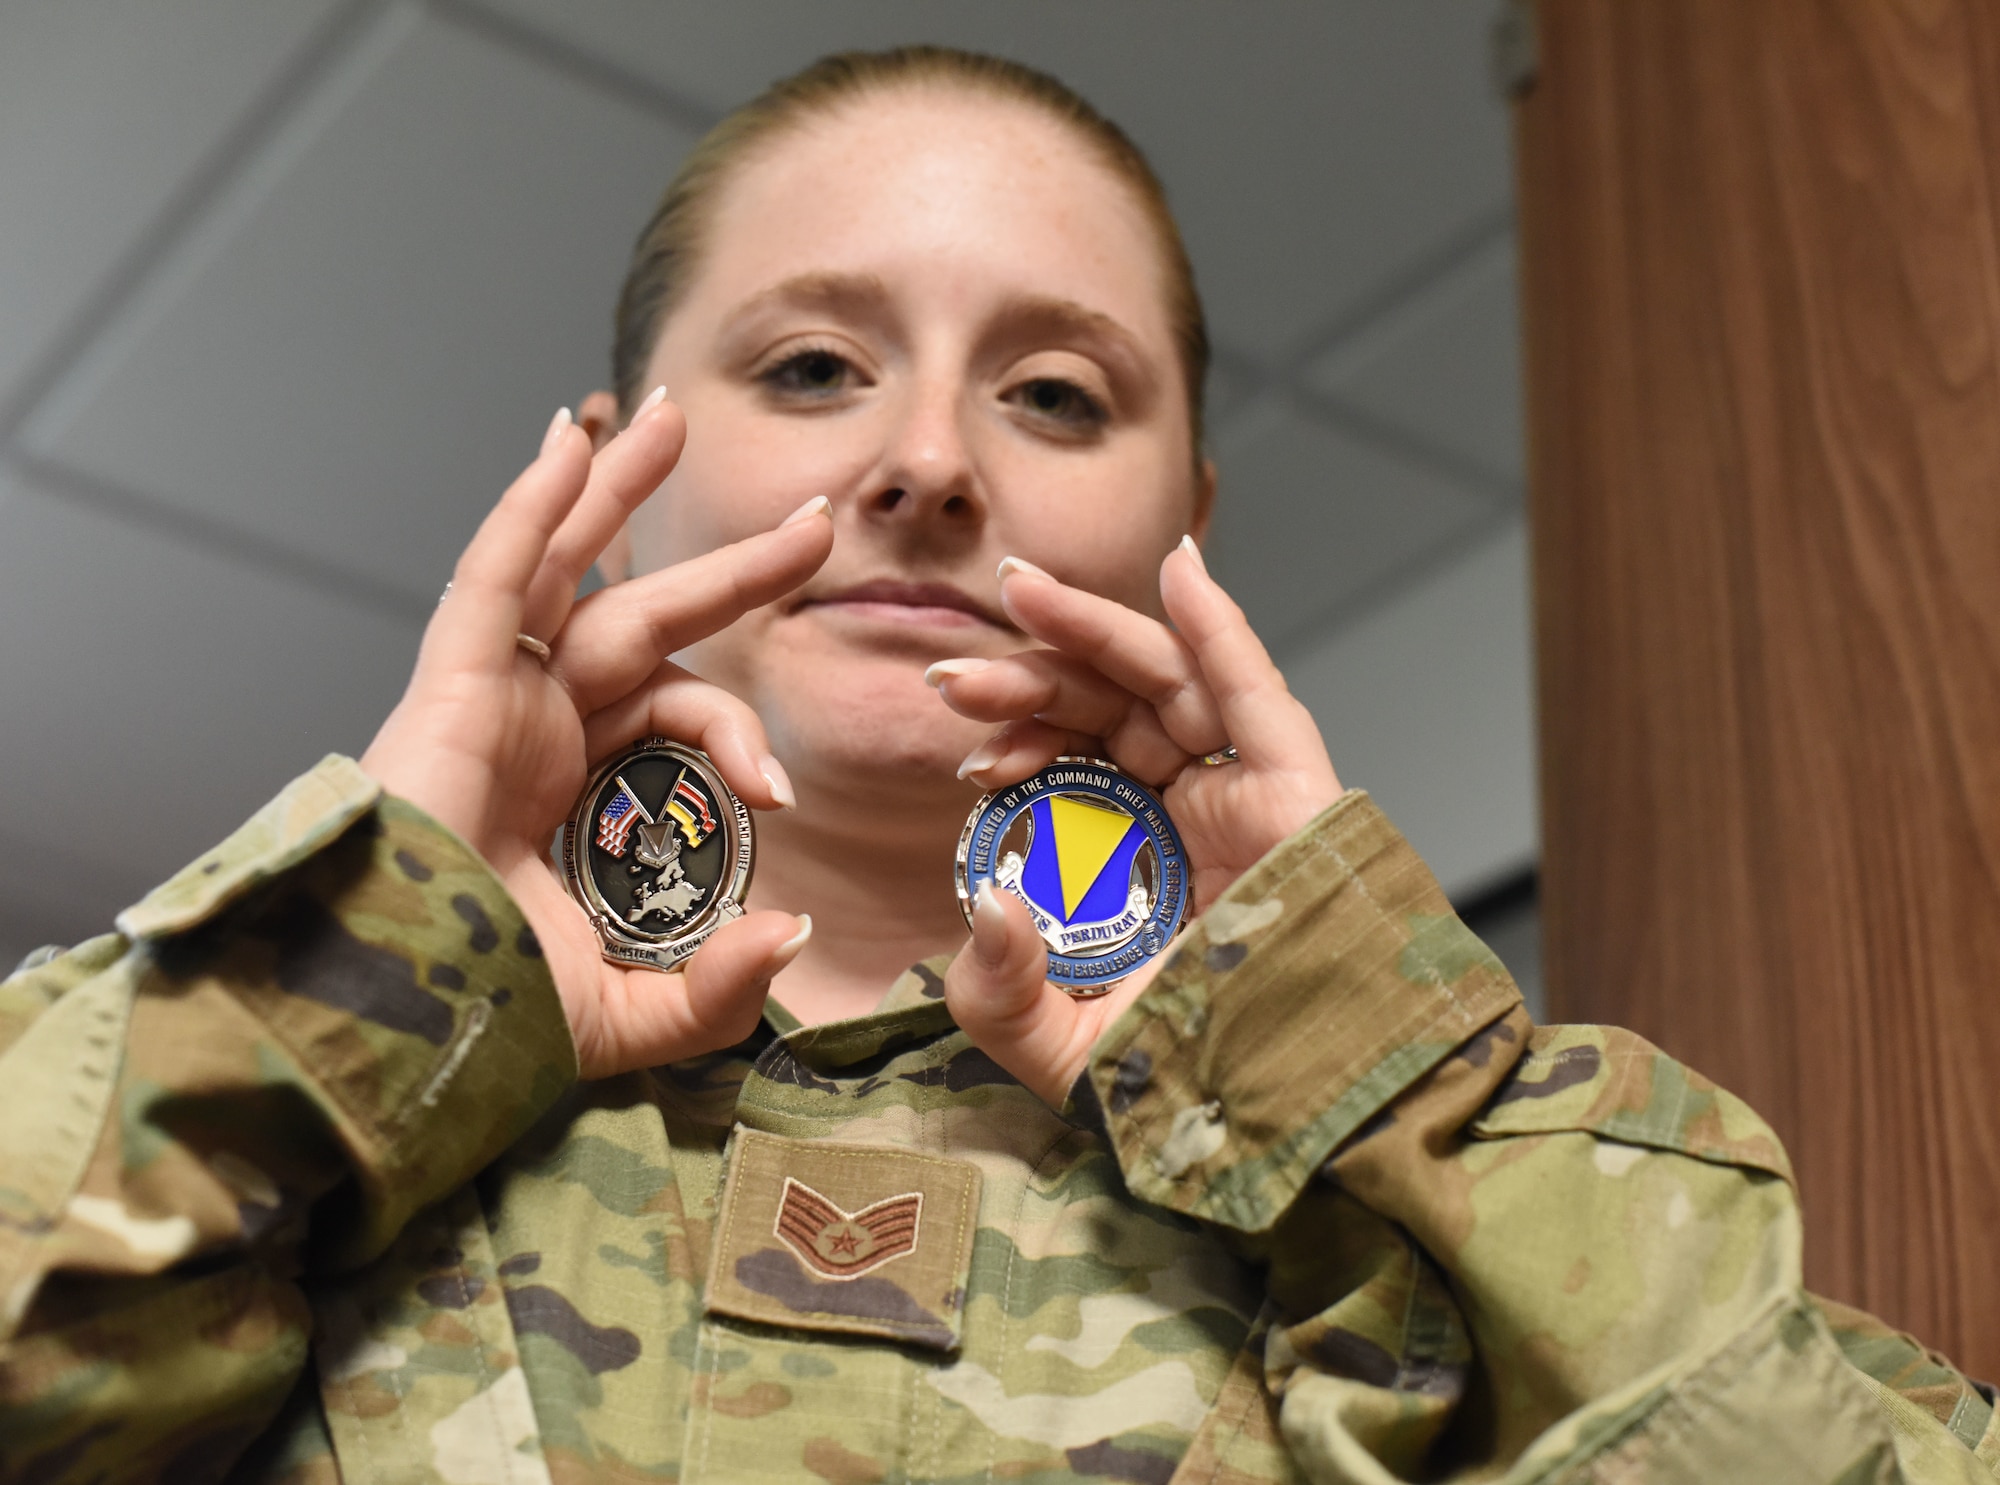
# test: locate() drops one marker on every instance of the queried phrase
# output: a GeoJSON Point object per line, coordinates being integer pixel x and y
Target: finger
{"type": "Point", "coordinates": [1022, 748]}
{"type": "Point", "coordinates": [504, 553]}
{"type": "Point", "coordinates": [629, 469]}
{"type": "Point", "coordinates": [1068, 694]}
{"type": "Point", "coordinates": [616, 636]}
{"type": "Point", "coordinates": [476, 624]}
{"type": "Point", "coordinates": [1140, 654]}
{"type": "Point", "coordinates": [997, 989]}
{"type": "Point", "coordinates": [642, 1019]}
{"type": "Point", "coordinates": [1268, 725]}
{"type": "Point", "coordinates": [673, 703]}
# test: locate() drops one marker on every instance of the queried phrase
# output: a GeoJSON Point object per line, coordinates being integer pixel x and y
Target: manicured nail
{"type": "Point", "coordinates": [946, 670]}
{"type": "Point", "coordinates": [653, 399]}
{"type": "Point", "coordinates": [819, 505]}
{"type": "Point", "coordinates": [1188, 546]}
{"type": "Point", "coordinates": [989, 924]}
{"type": "Point", "coordinates": [556, 425]}
{"type": "Point", "coordinates": [779, 782]}
{"type": "Point", "coordinates": [984, 756]}
{"type": "Point", "coordinates": [787, 951]}
{"type": "Point", "coordinates": [1011, 565]}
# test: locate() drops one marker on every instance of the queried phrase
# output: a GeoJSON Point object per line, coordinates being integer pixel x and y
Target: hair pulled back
{"type": "Point", "coordinates": [667, 256]}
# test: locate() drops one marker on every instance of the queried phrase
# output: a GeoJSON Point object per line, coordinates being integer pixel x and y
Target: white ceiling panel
{"type": "Point", "coordinates": [1390, 138]}
{"type": "Point", "coordinates": [1427, 703]}
{"type": "Point", "coordinates": [107, 109]}
{"type": "Point", "coordinates": [366, 351]}
{"type": "Point", "coordinates": [1444, 366]}
{"type": "Point", "coordinates": [166, 693]}
{"type": "Point", "coordinates": [1308, 520]}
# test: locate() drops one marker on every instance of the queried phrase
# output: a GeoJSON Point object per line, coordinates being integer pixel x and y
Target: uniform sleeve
{"type": "Point", "coordinates": [331, 1020]}
{"type": "Point", "coordinates": [1490, 1247]}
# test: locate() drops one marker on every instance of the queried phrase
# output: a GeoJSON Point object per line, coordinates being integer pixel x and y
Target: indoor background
{"type": "Point", "coordinates": [288, 292]}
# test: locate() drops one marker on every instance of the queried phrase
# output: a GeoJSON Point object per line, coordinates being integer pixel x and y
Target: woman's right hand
{"type": "Point", "coordinates": [497, 745]}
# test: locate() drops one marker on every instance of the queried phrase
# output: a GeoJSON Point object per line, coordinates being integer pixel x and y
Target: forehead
{"type": "Point", "coordinates": [951, 198]}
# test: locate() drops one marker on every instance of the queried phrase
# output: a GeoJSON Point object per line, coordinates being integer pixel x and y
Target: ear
{"type": "Point", "coordinates": [1204, 503]}
{"type": "Point", "coordinates": [598, 415]}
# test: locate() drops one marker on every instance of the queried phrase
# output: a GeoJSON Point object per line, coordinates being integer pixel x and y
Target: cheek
{"type": "Point", "coordinates": [738, 476]}
{"type": "Point", "coordinates": [1104, 526]}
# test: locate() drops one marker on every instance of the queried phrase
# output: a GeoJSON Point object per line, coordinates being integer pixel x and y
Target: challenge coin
{"type": "Point", "coordinates": [658, 851]}
{"type": "Point", "coordinates": [1090, 851]}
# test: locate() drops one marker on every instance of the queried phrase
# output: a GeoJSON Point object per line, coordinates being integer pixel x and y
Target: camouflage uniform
{"type": "Point", "coordinates": [297, 1183]}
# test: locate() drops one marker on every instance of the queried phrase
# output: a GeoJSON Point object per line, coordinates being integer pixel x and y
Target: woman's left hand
{"type": "Point", "coordinates": [1117, 684]}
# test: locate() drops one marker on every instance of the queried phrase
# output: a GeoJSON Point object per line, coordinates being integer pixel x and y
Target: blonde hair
{"type": "Point", "coordinates": [666, 258]}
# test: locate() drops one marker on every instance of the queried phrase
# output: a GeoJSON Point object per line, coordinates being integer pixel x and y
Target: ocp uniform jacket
{"type": "Point", "coordinates": [297, 1182]}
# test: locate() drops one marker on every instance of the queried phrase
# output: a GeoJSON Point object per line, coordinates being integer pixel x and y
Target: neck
{"type": "Point", "coordinates": [877, 881]}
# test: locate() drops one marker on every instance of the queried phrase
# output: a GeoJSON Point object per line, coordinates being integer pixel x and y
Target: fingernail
{"type": "Point", "coordinates": [556, 425]}
{"type": "Point", "coordinates": [1188, 546]}
{"type": "Point", "coordinates": [787, 951]}
{"type": "Point", "coordinates": [989, 924]}
{"type": "Point", "coordinates": [1011, 565]}
{"type": "Point", "coordinates": [946, 670]}
{"type": "Point", "coordinates": [985, 755]}
{"type": "Point", "coordinates": [780, 783]}
{"type": "Point", "coordinates": [819, 505]}
{"type": "Point", "coordinates": [653, 399]}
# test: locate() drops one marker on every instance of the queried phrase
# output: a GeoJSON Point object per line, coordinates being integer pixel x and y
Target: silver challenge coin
{"type": "Point", "coordinates": [1090, 851]}
{"type": "Point", "coordinates": [659, 852]}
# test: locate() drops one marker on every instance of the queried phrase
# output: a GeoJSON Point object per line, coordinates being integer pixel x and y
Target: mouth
{"type": "Point", "coordinates": [893, 601]}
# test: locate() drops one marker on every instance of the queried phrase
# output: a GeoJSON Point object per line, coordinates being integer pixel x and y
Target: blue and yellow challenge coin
{"type": "Point", "coordinates": [1091, 852]}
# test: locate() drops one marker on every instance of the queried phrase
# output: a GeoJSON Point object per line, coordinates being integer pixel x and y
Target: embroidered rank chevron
{"type": "Point", "coordinates": [842, 1244]}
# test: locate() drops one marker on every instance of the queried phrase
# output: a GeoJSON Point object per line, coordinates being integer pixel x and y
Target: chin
{"type": "Point", "coordinates": [867, 722]}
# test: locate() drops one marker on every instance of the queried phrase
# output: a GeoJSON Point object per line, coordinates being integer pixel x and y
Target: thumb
{"type": "Point", "coordinates": [997, 989]}
{"type": "Point", "coordinates": [640, 1018]}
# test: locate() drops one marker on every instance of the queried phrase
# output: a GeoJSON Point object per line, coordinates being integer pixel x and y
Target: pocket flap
{"type": "Point", "coordinates": [853, 1239]}
{"type": "Point", "coordinates": [1613, 1083]}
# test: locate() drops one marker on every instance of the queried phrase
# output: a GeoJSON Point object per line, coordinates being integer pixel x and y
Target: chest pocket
{"type": "Point", "coordinates": [850, 1239]}
{"type": "Point", "coordinates": [1616, 1085]}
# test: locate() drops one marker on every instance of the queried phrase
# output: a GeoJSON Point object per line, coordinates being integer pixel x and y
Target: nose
{"type": "Point", "coordinates": [928, 478]}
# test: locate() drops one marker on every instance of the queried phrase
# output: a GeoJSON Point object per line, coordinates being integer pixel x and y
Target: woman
{"type": "Point", "coordinates": [304, 1184]}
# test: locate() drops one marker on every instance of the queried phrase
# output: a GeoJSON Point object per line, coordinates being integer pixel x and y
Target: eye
{"type": "Point", "coordinates": [1061, 402]}
{"type": "Point", "coordinates": [810, 374]}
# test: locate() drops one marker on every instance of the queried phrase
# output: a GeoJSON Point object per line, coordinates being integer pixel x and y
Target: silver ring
{"type": "Point", "coordinates": [1220, 756]}
{"type": "Point", "coordinates": [444, 595]}
{"type": "Point", "coordinates": [533, 646]}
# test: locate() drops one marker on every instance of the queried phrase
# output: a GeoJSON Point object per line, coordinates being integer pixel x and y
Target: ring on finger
{"type": "Point", "coordinates": [533, 646]}
{"type": "Point", "coordinates": [1220, 756]}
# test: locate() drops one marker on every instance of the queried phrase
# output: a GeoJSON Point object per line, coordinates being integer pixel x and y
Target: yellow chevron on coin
{"type": "Point", "coordinates": [1086, 836]}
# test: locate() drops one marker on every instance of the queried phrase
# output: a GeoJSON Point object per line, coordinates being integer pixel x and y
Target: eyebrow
{"type": "Point", "coordinates": [1065, 319]}
{"type": "Point", "coordinates": [850, 293]}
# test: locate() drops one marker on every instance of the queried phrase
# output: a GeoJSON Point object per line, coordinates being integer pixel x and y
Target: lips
{"type": "Point", "coordinates": [936, 602]}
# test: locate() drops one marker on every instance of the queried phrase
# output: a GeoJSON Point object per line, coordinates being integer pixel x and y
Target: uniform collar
{"type": "Point", "coordinates": [912, 1007]}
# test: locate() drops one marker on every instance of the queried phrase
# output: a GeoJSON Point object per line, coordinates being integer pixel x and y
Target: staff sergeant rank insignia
{"type": "Point", "coordinates": [659, 852]}
{"type": "Point", "coordinates": [1091, 852]}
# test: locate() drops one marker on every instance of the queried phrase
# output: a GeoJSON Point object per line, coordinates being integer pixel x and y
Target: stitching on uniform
{"type": "Point", "coordinates": [1007, 1290]}
{"type": "Point", "coordinates": [784, 1200]}
{"type": "Point", "coordinates": [1251, 1396]}
{"type": "Point", "coordinates": [938, 1055]}
{"type": "Point", "coordinates": [476, 1017]}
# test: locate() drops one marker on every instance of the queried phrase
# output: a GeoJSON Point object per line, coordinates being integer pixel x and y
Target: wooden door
{"type": "Point", "coordinates": [1761, 249]}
